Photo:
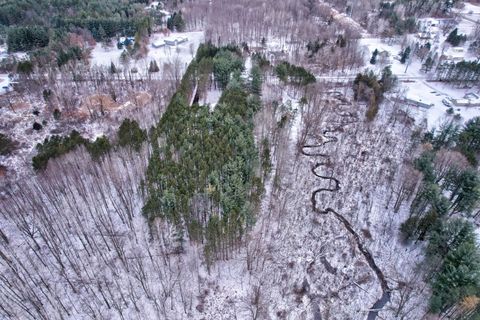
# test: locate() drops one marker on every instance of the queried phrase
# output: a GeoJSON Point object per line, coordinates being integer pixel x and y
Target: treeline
{"type": "Point", "coordinates": [201, 175]}
{"type": "Point", "coordinates": [35, 12]}
{"type": "Point", "coordinates": [129, 134]}
{"type": "Point", "coordinates": [27, 38]}
{"type": "Point", "coordinates": [450, 187]}
{"type": "Point", "coordinates": [458, 72]}
{"type": "Point", "coordinates": [397, 24]}
{"type": "Point", "coordinates": [104, 28]}
{"type": "Point", "coordinates": [32, 24]}
{"type": "Point", "coordinates": [367, 87]}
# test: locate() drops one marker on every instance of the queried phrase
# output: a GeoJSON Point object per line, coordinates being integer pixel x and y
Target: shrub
{"type": "Point", "coordinates": [290, 73]}
{"type": "Point", "coordinates": [6, 145]}
{"type": "Point", "coordinates": [37, 126]}
{"type": "Point", "coordinates": [99, 147]}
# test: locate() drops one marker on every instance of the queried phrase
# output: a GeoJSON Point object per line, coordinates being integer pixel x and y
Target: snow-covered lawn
{"type": "Point", "coordinates": [470, 10]}
{"type": "Point", "coordinates": [181, 54]}
{"type": "Point", "coordinates": [408, 70]}
{"type": "Point", "coordinates": [469, 14]}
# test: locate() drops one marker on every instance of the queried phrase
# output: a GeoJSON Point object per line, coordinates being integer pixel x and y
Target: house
{"type": "Point", "coordinates": [428, 29]}
{"type": "Point", "coordinates": [175, 41]}
{"type": "Point", "coordinates": [169, 42]}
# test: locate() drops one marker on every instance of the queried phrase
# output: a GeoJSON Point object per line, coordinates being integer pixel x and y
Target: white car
{"type": "Point", "coordinates": [447, 102]}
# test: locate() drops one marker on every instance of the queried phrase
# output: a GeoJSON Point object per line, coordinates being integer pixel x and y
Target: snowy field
{"type": "Point", "coordinates": [181, 54]}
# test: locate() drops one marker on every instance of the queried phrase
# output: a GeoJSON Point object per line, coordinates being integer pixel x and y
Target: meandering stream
{"type": "Point", "coordinates": [314, 150]}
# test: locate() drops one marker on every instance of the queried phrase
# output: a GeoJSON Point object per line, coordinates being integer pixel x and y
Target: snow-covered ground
{"type": "Point", "coordinates": [470, 11]}
{"type": "Point", "coordinates": [433, 93]}
{"type": "Point", "coordinates": [413, 83]}
{"type": "Point", "coordinates": [4, 79]}
{"type": "Point", "coordinates": [212, 97]}
{"type": "Point", "coordinates": [180, 55]}
{"type": "Point", "coordinates": [470, 17]}
{"type": "Point", "coordinates": [4, 83]}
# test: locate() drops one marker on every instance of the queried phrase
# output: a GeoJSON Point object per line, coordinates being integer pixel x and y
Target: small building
{"type": "Point", "coordinates": [454, 54]}
{"type": "Point", "coordinates": [469, 100]}
{"type": "Point", "coordinates": [158, 44]}
{"type": "Point", "coordinates": [471, 96]}
{"type": "Point", "coordinates": [417, 102]}
{"type": "Point", "coordinates": [461, 102]}
{"type": "Point", "coordinates": [424, 35]}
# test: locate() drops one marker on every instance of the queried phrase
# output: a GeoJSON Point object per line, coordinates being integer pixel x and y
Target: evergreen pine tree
{"type": "Point", "coordinates": [256, 83]}
{"type": "Point", "coordinates": [373, 60]}
{"type": "Point", "coordinates": [153, 67]}
{"type": "Point", "coordinates": [101, 34]}
{"type": "Point", "coordinates": [428, 64]}
{"type": "Point", "coordinates": [405, 55]}
{"type": "Point", "coordinates": [113, 68]}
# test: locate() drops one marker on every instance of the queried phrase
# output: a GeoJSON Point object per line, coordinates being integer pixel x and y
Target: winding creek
{"type": "Point", "coordinates": [314, 151]}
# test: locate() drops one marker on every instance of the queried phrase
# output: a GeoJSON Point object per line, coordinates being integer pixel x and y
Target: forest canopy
{"type": "Point", "coordinates": [31, 24]}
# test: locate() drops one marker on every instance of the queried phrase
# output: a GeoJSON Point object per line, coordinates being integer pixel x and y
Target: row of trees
{"type": "Point", "coordinates": [458, 72]}
{"type": "Point", "coordinates": [129, 134]}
